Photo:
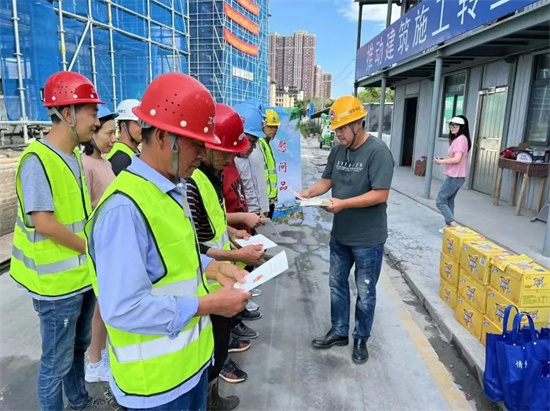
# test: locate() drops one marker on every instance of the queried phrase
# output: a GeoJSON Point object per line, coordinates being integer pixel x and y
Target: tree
{"type": "Point", "coordinates": [373, 94]}
{"type": "Point", "coordinates": [329, 103]}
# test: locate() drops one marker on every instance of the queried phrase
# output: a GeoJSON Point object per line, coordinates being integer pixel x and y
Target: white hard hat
{"type": "Point", "coordinates": [124, 109]}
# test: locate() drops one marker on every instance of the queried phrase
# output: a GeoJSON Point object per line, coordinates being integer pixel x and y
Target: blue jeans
{"type": "Point", "coordinates": [368, 263]}
{"type": "Point", "coordinates": [195, 399]}
{"type": "Point", "coordinates": [445, 202]}
{"type": "Point", "coordinates": [66, 331]}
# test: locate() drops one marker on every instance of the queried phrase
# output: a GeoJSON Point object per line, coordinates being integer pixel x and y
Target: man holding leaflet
{"type": "Point", "coordinates": [359, 171]}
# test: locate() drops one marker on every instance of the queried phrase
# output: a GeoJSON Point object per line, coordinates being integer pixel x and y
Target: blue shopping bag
{"type": "Point", "coordinates": [512, 356]}
{"type": "Point", "coordinates": [491, 379]}
{"type": "Point", "coordinates": [536, 386]}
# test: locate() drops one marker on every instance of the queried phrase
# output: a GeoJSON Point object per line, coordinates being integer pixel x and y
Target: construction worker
{"type": "Point", "coordinates": [359, 171]}
{"type": "Point", "coordinates": [49, 252]}
{"type": "Point", "coordinates": [205, 196]}
{"type": "Point", "coordinates": [271, 126]}
{"type": "Point", "coordinates": [129, 136]}
{"type": "Point", "coordinates": [145, 263]}
{"type": "Point", "coordinates": [251, 168]}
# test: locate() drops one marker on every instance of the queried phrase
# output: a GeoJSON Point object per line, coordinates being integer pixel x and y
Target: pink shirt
{"type": "Point", "coordinates": [99, 174]}
{"type": "Point", "coordinates": [459, 145]}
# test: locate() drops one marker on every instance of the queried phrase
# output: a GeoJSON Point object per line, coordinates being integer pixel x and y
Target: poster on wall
{"type": "Point", "coordinates": [286, 148]}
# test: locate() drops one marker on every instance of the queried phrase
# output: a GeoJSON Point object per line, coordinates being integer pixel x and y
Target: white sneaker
{"type": "Point", "coordinates": [252, 306]}
{"type": "Point", "coordinates": [256, 292]}
{"type": "Point", "coordinates": [97, 372]}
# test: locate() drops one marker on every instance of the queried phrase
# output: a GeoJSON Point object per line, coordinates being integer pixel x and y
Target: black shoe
{"type": "Point", "coordinates": [232, 373]}
{"type": "Point", "coordinates": [244, 332]}
{"type": "Point", "coordinates": [238, 345]}
{"type": "Point", "coordinates": [360, 352]}
{"type": "Point", "coordinates": [246, 315]}
{"type": "Point", "coordinates": [217, 403]}
{"type": "Point", "coordinates": [329, 340]}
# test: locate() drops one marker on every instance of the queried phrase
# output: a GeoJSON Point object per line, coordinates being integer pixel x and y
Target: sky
{"type": "Point", "coordinates": [334, 22]}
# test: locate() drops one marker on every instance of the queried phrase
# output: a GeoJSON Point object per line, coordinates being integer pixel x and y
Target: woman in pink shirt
{"type": "Point", "coordinates": [99, 174]}
{"type": "Point", "coordinates": [455, 168]}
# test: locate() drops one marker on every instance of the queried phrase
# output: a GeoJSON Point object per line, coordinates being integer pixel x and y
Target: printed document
{"type": "Point", "coordinates": [255, 240]}
{"type": "Point", "coordinates": [270, 269]}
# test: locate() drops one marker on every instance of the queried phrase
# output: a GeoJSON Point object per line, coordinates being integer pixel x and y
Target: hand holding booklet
{"type": "Point", "coordinates": [255, 240]}
{"type": "Point", "coordinates": [270, 269]}
{"type": "Point", "coordinates": [315, 202]}
{"type": "Point", "coordinates": [310, 202]}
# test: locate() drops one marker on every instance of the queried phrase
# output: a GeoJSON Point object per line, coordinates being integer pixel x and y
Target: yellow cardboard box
{"type": "Point", "coordinates": [447, 293]}
{"type": "Point", "coordinates": [497, 303]}
{"type": "Point", "coordinates": [469, 317]}
{"type": "Point", "coordinates": [489, 327]}
{"type": "Point", "coordinates": [453, 238]}
{"type": "Point", "coordinates": [521, 280]}
{"type": "Point", "coordinates": [476, 256]}
{"type": "Point", "coordinates": [472, 291]}
{"type": "Point", "coordinates": [449, 269]}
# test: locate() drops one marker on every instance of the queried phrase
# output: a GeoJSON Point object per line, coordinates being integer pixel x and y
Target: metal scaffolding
{"type": "Point", "coordinates": [121, 45]}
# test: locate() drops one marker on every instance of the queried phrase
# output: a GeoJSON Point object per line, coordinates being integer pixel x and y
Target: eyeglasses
{"type": "Point", "coordinates": [454, 125]}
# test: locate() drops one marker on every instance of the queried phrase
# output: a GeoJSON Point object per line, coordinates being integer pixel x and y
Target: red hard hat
{"type": "Point", "coordinates": [181, 105]}
{"type": "Point", "coordinates": [66, 87]}
{"type": "Point", "coordinates": [229, 129]}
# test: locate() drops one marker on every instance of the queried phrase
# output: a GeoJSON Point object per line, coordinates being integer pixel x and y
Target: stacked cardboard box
{"type": "Point", "coordinates": [475, 263]}
{"type": "Point", "coordinates": [521, 282]}
{"type": "Point", "coordinates": [479, 279]}
{"type": "Point", "coordinates": [449, 263]}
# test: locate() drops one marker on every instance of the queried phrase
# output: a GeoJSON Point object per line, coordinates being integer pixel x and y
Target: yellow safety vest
{"type": "Point", "coordinates": [145, 364]}
{"type": "Point", "coordinates": [119, 146]}
{"type": "Point", "coordinates": [217, 217]}
{"type": "Point", "coordinates": [270, 169]}
{"type": "Point", "coordinates": [39, 264]}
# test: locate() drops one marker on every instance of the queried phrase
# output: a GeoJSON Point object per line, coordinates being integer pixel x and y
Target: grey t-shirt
{"type": "Point", "coordinates": [37, 194]}
{"type": "Point", "coordinates": [353, 173]}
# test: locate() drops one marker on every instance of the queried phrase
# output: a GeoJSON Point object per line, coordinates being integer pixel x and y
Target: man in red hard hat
{"type": "Point", "coordinates": [49, 251]}
{"type": "Point", "coordinates": [205, 194]}
{"type": "Point", "coordinates": [145, 263]}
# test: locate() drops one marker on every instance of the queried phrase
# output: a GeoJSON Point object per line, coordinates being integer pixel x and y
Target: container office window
{"type": "Point", "coordinates": [453, 99]}
{"type": "Point", "coordinates": [538, 128]}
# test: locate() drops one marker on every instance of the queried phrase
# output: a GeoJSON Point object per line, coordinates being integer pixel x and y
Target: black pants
{"type": "Point", "coordinates": [222, 329]}
{"type": "Point", "coordinates": [271, 211]}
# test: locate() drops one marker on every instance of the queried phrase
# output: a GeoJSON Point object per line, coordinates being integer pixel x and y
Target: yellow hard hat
{"type": "Point", "coordinates": [272, 118]}
{"type": "Point", "coordinates": [346, 110]}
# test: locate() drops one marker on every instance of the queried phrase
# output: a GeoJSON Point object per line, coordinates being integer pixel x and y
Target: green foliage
{"type": "Point", "coordinates": [373, 95]}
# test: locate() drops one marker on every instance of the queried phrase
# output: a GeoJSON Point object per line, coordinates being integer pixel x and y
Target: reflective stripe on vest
{"type": "Point", "coordinates": [34, 237]}
{"type": "Point", "coordinates": [161, 346]}
{"type": "Point", "coordinates": [145, 364]}
{"type": "Point", "coordinates": [270, 171]}
{"type": "Point", "coordinates": [119, 146]}
{"type": "Point", "coordinates": [39, 264]}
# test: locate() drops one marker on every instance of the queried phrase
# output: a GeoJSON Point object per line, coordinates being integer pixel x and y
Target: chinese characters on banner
{"type": "Point", "coordinates": [286, 148]}
{"type": "Point", "coordinates": [428, 24]}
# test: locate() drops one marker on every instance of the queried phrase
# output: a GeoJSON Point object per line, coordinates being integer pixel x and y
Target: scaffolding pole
{"type": "Point", "coordinates": [18, 55]}
{"type": "Point", "coordinates": [149, 44]}
{"type": "Point", "coordinates": [79, 45]}
{"type": "Point", "coordinates": [112, 51]}
{"type": "Point", "coordinates": [92, 44]}
{"type": "Point", "coordinates": [173, 38]}
{"type": "Point", "coordinates": [62, 36]}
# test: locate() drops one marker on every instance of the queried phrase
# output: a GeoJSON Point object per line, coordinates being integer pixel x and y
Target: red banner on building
{"type": "Point", "coordinates": [250, 6]}
{"type": "Point", "coordinates": [241, 20]}
{"type": "Point", "coordinates": [239, 44]}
